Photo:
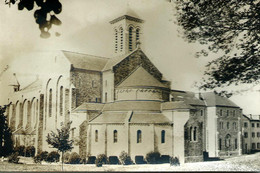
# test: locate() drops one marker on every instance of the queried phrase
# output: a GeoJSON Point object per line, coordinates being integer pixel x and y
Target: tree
{"type": "Point", "coordinates": [6, 142]}
{"type": "Point", "coordinates": [228, 26]}
{"type": "Point", "coordinates": [47, 8]}
{"type": "Point", "coordinates": [60, 140]}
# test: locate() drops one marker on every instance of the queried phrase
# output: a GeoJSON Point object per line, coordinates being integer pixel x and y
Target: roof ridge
{"type": "Point", "coordinates": [97, 56]}
{"type": "Point", "coordinates": [139, 66]}
{"type": "Point", "coordinates": [121, 57]}
{"type": "Point", "coordinates": [31, 84]}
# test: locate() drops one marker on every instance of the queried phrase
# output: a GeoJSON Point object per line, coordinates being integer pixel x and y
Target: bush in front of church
{"type": "Point", "coordinates": [74, 158]}
{"type": "Point", "coordinates": [125, 159]}
{"type": "Point", "coordinates": [53, 156]}
{"type": "Point", "coordinates": [153, 157]}
{"type": "Point", "coordinates": [101, 159]}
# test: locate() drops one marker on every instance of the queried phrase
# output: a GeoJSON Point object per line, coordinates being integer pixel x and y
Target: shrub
{"type": "Point", "coordinates": [66, 157]}
{"type": "Point", "coordinates": [74, 158]}
{"type": "Point", "coordinates": [20, 149]}
{"type": "Point", "coordinates": [91, 160]}
{"type": "Point", "coordinates": [53, 156]}
{"type": "Point", "coordinates": [101, 159]}
{"type": "Point", "coordinates": [13, 158]}
{"type": "Point", "coordinates": [83, 160]}
{"type": "Point", "coordinates": [174, 161]}
{"type": "Point", "coordinates": [40, 157]}
{"type": "Point", "coordinates": [139, 160]}
{"type": "Point", "coordinates": [165, 159]}
{"type": "Point", "coordinates": [125, 159]}
{"type": "Point", "coordinates": [113, 160]}
{"type": "Point", "coordinates": [153, 157]}
{"type": "Point", "coordinates": [29, 151]}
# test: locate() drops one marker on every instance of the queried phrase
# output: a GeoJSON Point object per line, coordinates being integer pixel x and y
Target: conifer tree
{"type": "Point", "coordinates": [6, 142]}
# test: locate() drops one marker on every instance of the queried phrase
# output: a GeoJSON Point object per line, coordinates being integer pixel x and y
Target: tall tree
{"type": "Point", "coordinates": [6, 142]}
{"type": "Point", "coordinates": [45, 9]}
{"type": "Point", "coordinates": [228, 27]}
{"type": "Point", "coordinates": [61, 140]}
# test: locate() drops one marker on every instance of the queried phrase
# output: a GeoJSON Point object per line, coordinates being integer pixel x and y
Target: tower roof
{"type": "Point", "coordinates": [128, 14]}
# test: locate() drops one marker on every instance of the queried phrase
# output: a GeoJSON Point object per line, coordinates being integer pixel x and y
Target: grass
{"type": "Point", "coordinates": [240, 163]}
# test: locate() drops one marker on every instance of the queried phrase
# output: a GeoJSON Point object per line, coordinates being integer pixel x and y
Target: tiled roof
{"type": "Point", "coordinates": [213, 99]}
{"type": "Point", "coordinates": [187, 97]}
{"type": "Point", "coordinates": [110, 117]}
{"type": "Point", "coordinates": [176, 105]}
{"type": "Point", "coordinates": [140, 77]}
{"type": "Point", "coordinates": [133, 105]}
{"type": "Point", "coordinates": [89, 106]}
{"type": "Point", "coordinates": [114, 61]}
{"type": "Point", "coordinates": [37, 84]}
{"type": "Point", "coordinates": [84, 61]}
{"type": "Point", "coordinates": [253, 117]}
{"type": "Point", "coordinates": [149, 118]}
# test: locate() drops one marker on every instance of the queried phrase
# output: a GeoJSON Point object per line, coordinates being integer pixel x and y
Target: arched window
{"type": "Point", "coordinates": [163, 136]}
{"type": "Point", "coordinates": [105, 97]}
{"type": "Point", "coordinates": [116, 41]}
{"type": "Point", "coordinates": [96, 136]}
{"type": "Point", "coordinates": [195, 134]}
{"type": "Point", "coordinates": [227, 125]}
{"type": "Point", "coordinates": [139, 136]}
{"type": "Point", "coordinates": [61, 100]}
{"type": "Point", "coordinates": [220, 144]}
{"type": "Point", "coordinates": [121, 41]}
{"type": "Point", "coordinates": [228, 140]}
{"type": "Point", "coordinates": [130, 38]}
{"type": "Point", "coordinates": [190, 133]}
{"type": "Point", "coordinates": [50, 102]}
{"type": "Point", "coordinates": [115, 136]}
{"type": "Point", "coordinates": [137, 34]}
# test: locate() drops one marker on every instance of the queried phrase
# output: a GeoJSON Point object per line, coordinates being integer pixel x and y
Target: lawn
{"type": "Point", "coordinates": [240, 163]}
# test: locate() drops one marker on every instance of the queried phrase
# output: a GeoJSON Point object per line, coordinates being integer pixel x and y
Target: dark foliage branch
{"type": "Point", "coordinates": [228, 26]}
{"type": "Point", "coordinates": [60, 140]}
{"type": "Point", "coordinates": [44, 15]}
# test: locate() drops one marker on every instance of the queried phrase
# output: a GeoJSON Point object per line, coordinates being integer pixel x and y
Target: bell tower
{"type": "Point", "coordinates": [127, 32]}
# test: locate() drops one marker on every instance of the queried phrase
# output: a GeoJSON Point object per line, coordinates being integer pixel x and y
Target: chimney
{"type": "Point", "coordinates": [198, 96]}
{"type": "Point", "coordinates": [251, 116]}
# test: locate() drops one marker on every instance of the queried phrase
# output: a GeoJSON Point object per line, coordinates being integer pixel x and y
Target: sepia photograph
{"type": "Point", "coordinates": [129, 85]}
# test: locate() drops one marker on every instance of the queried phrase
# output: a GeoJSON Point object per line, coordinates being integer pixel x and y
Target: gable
{"type": "Point", "coordinates": [127, 65]}
{"type": "Point", "coordinates": [140, 77]}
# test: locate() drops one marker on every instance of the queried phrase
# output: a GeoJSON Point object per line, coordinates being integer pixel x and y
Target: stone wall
{"type": "Point", "coordinates": [88, 86]}
{"type": "Point", "coordinates": [194, 147]}
{"type": "Point", "coordinates": [228, 124]}
{"type": "Point", "coordinates": [125, 67]}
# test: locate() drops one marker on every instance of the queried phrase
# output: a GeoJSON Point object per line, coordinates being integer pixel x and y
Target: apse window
{"type": "Point", "coordinates": [139, 136]}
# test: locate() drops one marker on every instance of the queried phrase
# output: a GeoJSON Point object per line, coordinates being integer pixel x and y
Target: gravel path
{"type": "Point", "coordinates": [240, 163]}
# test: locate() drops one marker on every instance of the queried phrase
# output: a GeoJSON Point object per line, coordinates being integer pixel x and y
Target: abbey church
{"type": "Point", "coordinates": [122, 103]}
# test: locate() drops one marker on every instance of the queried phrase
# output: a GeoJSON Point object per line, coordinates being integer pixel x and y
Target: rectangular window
{"type": "Point", "coordinates": [253, 134]}
{"type": "Point", "coordinates": [227, 125]}
{"type": "Point", "coordinates": [235, 143]}
{"type": "Point", "coordinates": [234, 112]}
{"type": "Point", "coordinates": [258, 125]}
{"type": "Point", "coordinates": [245, 124]}
{"type": "Point", "coordinates": [258, 134]}
{"type": "Point", "coordinates": [258, 145]}
{"type": "Point", "coordinates": [220, 112]}
{"type": "Point", "coordinates": [227, 112]}
{"type": "Point", "coordinates": [253, 146]}
{"type": "Point", "coordinates": [253, 124]}
{"type": "Point", "coordinates": [245, 134]}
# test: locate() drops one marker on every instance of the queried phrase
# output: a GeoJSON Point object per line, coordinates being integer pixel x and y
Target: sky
{"type": "Point", "coordinates": [85, 28]}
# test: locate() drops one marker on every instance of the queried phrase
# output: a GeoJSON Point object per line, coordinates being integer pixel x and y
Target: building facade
{"type": "Point", "coordinates": [122, 104]}
{"type": "Point", "coordinates": [251, 133]}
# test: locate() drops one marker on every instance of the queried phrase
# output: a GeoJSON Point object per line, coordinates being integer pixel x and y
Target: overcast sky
{"type": "Point", "coordinates": [86, 29]}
